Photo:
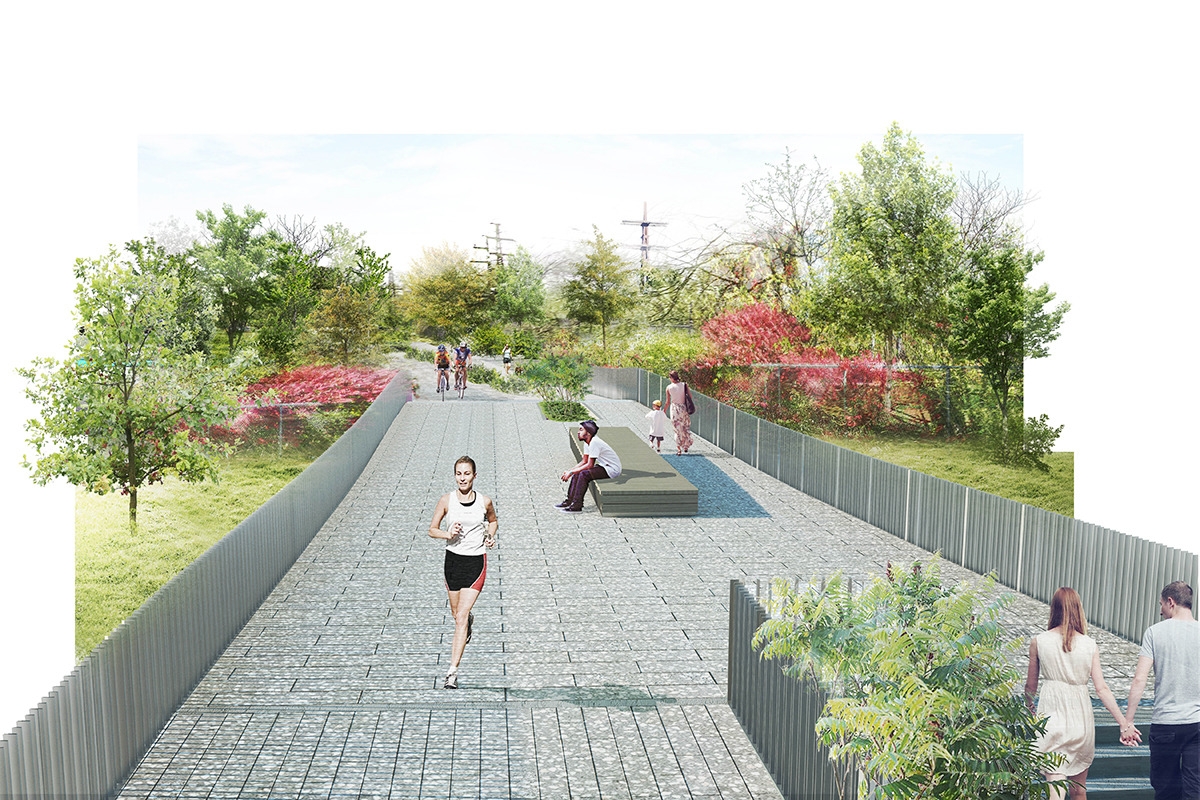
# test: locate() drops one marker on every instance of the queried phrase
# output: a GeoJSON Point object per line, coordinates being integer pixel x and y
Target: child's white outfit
{"type": "Point", "coordinates": [658, 425]}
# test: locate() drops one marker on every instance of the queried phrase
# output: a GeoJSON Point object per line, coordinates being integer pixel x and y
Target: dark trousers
{"type": "Point", "coordinates": [578, 484]}
{"type": "Point", "coordinates": [1175, 761]}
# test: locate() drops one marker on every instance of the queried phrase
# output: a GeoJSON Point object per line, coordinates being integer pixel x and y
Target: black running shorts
{"type": "Point", "coordinates": [465, 572]}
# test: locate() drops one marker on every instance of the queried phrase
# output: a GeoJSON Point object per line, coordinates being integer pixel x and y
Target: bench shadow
{"type": "Point", "coordinates": [720, 495]}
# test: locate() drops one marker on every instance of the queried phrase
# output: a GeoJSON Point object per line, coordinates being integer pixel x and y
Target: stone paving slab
{"type": "Point", "coordinates": [598, 663]}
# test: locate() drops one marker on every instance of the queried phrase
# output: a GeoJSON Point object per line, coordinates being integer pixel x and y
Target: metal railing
{"type": "Point", "coordinates": [1031, 550]}
{"type": "Point", "coordinates": [86, 736]}
{"type": "Point", "coordinates": [778, 712]}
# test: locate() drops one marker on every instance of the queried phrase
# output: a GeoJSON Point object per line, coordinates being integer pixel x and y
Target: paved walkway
{"type": "Point", "coordinates": [598, 664]}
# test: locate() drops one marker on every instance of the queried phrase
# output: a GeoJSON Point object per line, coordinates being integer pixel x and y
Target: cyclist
{"type": "Point", "coordinates": [442, 362]}
{"type": "Point", "coordinates": [462, 360]}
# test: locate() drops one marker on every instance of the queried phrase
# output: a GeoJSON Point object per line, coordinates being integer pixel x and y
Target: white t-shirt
{"type": "Point", "coordinates": [604, 455]}
{"type": "Point", "coordinates": [658, 423]}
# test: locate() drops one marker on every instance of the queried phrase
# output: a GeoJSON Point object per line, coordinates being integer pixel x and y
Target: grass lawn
{"type": "Point", "coordinates": [116, 571]}
{"type": "Point", "coordinates": [969, 465]}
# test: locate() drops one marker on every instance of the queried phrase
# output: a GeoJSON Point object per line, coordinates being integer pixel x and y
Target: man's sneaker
{"type": "Point", "coordinates": [470, 622]}
{"type": "Point", "coordinates": [451, 681]}
{"type": "Point", "coordinates": [563, 504]}
{"type": "Point", "coordinates": [569, 510]}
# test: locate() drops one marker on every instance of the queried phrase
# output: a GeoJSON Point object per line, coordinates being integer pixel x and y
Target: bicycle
{"type": "Point", "coordinates": [443, 385]}
{"type": "Point", "coordinates": [460, 381]}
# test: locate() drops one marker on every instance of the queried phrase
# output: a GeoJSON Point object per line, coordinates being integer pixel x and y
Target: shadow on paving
{"type": "Point", "coordinates": [720, 495]}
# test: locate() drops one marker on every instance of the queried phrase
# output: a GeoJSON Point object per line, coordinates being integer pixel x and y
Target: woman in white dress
{"type": "Point", "coordinates": [680, 419]}
{"type": "Point", "coordinates": [1064, 657]}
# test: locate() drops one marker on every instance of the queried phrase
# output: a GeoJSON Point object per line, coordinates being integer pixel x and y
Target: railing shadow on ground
{"type": "Point", "coordinates": [1029, 549]}
{"type": "Point", "coordinates": [86, 736]}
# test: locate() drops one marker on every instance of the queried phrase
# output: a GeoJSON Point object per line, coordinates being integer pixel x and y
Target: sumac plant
{"type": "Point", "coordinates": [924, 698]}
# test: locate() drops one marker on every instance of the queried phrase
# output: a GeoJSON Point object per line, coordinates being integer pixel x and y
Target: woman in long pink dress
{"type": "Point", "coordinates": [1064, 657]}
{"type": "Point", "coordinates": [680, 418]}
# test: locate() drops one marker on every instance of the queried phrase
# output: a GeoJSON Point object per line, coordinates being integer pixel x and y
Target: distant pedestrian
{"type": "Point", "coordinates": [680, 399]}
{"type": "Point", "coordinates": [1172, 648]}
{"type": "Point", "coordinates": [1063, 658]}
{"type": "Point", "coordinates": [507, 357]}
{"type": "Point", "coordinates": [658, 425]}
{"type": "Point", "coordinates": [599, 462]}
{"type": "Point", "coordinates": [470, 529]}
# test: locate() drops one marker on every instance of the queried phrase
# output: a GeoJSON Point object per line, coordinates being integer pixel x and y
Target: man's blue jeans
{"type": "Point", "coordinates": [1175, 761]}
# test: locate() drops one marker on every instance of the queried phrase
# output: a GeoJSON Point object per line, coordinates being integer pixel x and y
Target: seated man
{"type": "Point", "coordinates": [599, 462]}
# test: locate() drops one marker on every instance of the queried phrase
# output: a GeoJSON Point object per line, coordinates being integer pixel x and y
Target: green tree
{"type": "Point", "coordinates": [195, 317]}
{"type": "Point", "coordinates": [345, 326]}
{"type": "Point", "coordinates": [520, 293]}
{"type": "Point", "coordinates": [600, 292]}
{"type": "Point", "coordinates": [123, 409]}
{"type": "Point", "coordinates": [893, 248]}
{"type": "Point", "coordinates": [998, 322]}
{"type": "Point", "coordinates": [445, 293]}
{"type": "Point", "coordinates": [237, 262]}
{"type": "Point", "coordinates": [924, 697]}
{"type": "Point", "coordinates": [292, 297]}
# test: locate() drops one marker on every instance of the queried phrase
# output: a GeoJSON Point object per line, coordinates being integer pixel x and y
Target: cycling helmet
{"type": "Point", "coordinates": [441, 348]}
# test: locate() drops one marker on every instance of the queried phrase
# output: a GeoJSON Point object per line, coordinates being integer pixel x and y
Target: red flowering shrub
{"type": "Point", "coordinates": [755, 334]}
{"type": "Point", "coordinates": [829, 392]}
{"type": "Point", "coordinates": [338, 396]}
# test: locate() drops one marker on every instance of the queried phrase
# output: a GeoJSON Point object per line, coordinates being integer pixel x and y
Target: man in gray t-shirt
{"type": "Point", "coordinates": [1172, 648]}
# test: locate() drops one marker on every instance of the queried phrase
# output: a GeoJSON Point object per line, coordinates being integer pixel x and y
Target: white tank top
{"type": "Point", "coordinates": [471, 515]}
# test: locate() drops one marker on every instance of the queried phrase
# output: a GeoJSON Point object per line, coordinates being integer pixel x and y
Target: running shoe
{"type": "Point", "coordinates": [470, 622]}
{"type": "Point", "coordinates": [569, 510]}
{"type": "Point", "coordinates": [451, 681]}
{"type": "Point", "coordinates": [563, 504]}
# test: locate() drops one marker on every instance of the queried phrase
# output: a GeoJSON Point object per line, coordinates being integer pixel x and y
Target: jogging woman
{"type": "Point", "coordinates": [471, 529]}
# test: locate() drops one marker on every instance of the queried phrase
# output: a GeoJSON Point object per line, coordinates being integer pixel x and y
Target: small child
{"type": "Point", "coordinates": [658, 425]}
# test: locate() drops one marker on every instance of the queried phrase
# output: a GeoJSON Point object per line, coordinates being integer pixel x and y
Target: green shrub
{"type": "Point", "coordinates": [477, 373]}
{"type": "Point", "coordinates": [661, 351]}
{"type": "Point", "coordinates": [527, 343]}
{"type": "Point", "coordinates": [1025, 443]}
{"type": "Point", "coordinates": [924, 698]}
{"type": "Point", "coordinates": [323, 428]}
{"type": "Point", "coordinates": [564, 410]}
{"type": "Point", "coordinates": [488, 340]}
{"type": "Point", "coordinates": [560, 377]}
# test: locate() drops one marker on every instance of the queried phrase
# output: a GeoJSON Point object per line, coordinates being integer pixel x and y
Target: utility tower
{"type": "Point", "coordinates": [645, 223]}
{"type": "Point", "coordinates": [498, 253]}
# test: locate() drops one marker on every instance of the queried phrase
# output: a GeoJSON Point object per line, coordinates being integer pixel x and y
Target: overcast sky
{"type": "Point", "coordinates": [1098, 107]}
{"type": "Point", "coordinates": [408, 192]}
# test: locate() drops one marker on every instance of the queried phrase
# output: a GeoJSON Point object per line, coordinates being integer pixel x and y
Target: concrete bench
{"type": "Point", "coordinates": [647, 487]}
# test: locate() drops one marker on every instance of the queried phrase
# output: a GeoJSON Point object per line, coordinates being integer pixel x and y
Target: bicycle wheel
{"type": "Point", "coordinates": [442, 387]}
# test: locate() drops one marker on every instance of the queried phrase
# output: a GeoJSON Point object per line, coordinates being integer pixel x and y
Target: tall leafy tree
{"type": "Point", "coordinates": [601, 291]}
{"type": "Point", "coordinates": [893, 248]}
{"type": "Point", "coordinates": [346, 325]}
{"type": "Point", "coordinates": [195, 316]}
{"type": "Point", "coordinates": [520, 292]}
{"type": "Point", "coordinates": [122, 410]}
{"type": "Point", "coordinates": [236, 259]}
{"type": "Point", "coordinates": [445, 293]}
{"type": "Point", "coordinates": [999, 321]}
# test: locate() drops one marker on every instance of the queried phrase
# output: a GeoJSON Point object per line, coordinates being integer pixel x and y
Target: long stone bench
{"type": "Point", "coordinates": [647, 487]}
